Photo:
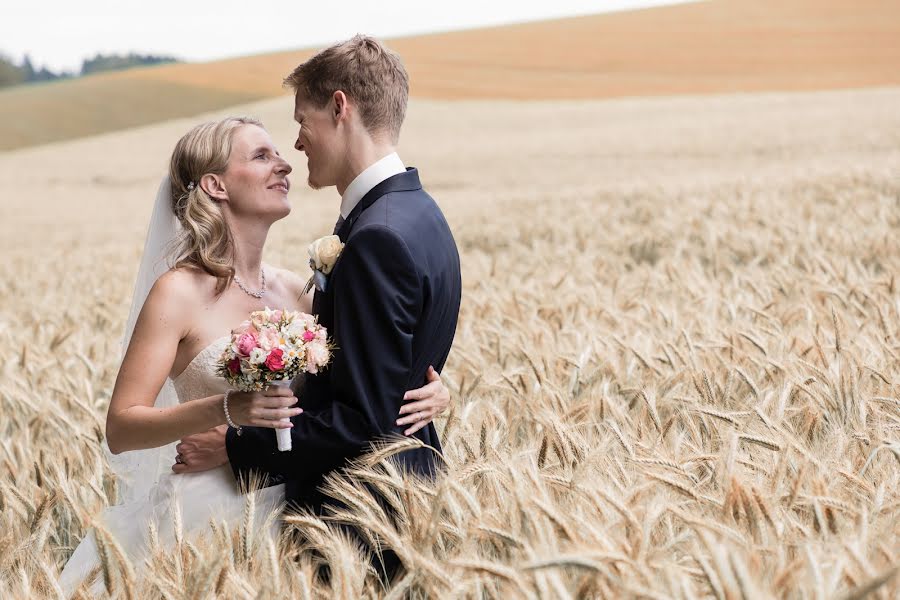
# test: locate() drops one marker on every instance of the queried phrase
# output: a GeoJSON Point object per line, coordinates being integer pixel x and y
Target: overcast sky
{"type": "Point", "coordinates": [59, 34]}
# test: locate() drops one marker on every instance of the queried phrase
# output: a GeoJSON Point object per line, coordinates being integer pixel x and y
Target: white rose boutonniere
{"type": "Point", "coordinates": [323, 254]}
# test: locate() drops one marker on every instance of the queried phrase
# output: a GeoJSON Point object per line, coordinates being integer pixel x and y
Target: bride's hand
{"type": "Point", "coordinates": [424, 404]}
{"type": "Point", "coordinates": [265, 408]}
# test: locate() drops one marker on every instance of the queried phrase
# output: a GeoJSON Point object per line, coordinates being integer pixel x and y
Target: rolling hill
{"type": "Point", "coordinates": [715, 46]}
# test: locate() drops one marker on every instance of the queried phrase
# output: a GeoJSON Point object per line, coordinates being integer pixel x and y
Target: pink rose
{"type": "Point", "coordinates": [308, 336]}
{"type": "Point", "coordinates": [276, 316]}
{"type": "Point", "coordinates": [246, 343]}
{"type": "Point", "coordinates": [268, 339]}
{"type": "Point", "coordinates": [234, 366]}
{"type": "Point", "coordinates": [274, 360]}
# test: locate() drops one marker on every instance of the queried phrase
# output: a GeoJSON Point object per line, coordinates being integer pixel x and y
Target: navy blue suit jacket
{"type": "Point", "coordinates": [391, 307]}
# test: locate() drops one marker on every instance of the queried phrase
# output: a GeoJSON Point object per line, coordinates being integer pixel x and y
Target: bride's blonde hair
{"type": "Point", "coordinates": [206, 242]}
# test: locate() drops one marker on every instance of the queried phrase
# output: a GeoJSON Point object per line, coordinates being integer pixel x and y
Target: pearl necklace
{"type": "Point", "coordinates": [258, 294]}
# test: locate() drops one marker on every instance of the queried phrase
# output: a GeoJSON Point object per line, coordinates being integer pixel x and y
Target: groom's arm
{"type": "Point", "coordinates": [378, 302]}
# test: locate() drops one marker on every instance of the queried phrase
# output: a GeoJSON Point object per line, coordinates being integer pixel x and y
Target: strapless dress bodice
{"type": "Point", "coordinates": [199, 379]}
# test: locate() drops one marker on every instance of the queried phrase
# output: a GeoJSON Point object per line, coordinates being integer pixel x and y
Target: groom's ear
{"type": "Point", "coordinates": [214, 187]}
{"type": "Point", "coordinates": [339, 107]}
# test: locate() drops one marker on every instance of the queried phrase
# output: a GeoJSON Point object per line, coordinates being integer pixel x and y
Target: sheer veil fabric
{"type": "Point", "coordinates": [138, 471]}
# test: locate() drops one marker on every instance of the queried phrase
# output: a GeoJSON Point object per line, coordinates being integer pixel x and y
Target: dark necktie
{"type": "Point", "coordinates": [337, 226]}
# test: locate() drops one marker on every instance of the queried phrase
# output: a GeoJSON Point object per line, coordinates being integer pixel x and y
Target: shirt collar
{"type": "Point", "coordinates": [377, 172]}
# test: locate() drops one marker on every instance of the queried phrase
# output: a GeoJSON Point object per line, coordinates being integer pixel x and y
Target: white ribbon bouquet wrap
{"type": "Point", "coordinates": [271, 348]}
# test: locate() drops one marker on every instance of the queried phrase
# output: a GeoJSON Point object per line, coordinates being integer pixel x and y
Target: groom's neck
{"type": "Point", "coordinates": [364, 152]}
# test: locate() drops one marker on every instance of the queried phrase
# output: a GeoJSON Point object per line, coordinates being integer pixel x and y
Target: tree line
{"type": "Point", "coordinates": [25, 72]}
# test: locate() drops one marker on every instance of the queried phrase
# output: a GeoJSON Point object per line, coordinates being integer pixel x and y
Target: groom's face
{"type": "Point", "coordinates": [318, 139]}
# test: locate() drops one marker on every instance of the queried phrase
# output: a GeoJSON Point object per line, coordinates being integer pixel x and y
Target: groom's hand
{"type": "Point", "coordinates": [201, 451]}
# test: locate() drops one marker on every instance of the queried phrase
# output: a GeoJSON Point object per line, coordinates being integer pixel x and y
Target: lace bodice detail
{"type": "Point", "coordinates": [199, 379]}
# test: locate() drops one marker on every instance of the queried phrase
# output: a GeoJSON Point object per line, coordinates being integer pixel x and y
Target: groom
{"type": "Point", "coordinates": [391, 302]}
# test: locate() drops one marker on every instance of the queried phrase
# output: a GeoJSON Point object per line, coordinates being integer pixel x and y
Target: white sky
{"type": "Point", "coordinates": [58, 34]}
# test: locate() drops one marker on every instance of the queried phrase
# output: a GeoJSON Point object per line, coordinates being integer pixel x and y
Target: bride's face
{"type": "Point", "coordinates": [256, 179]}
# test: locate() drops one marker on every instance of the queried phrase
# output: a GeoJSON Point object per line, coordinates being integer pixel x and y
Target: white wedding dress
{"type": "Point", "coordinates": [200, 496]}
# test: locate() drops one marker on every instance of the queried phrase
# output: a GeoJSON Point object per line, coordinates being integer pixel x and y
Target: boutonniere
{"type": "Point", "coordinates": [323, 254]}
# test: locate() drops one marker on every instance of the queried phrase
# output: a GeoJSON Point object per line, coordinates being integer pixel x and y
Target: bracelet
{"type": "Point", "coordinates": [228, 415]}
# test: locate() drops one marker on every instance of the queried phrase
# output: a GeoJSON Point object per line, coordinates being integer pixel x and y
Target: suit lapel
{"type": "Point", "coordinates": [401, 182]}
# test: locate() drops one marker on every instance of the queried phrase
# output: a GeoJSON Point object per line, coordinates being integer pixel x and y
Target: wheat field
{"type": "Point", "coordinates": [675, 374]}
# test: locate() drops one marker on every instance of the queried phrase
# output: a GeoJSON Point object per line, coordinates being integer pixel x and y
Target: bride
{"type": "Point", "coordinates": [201, 275]}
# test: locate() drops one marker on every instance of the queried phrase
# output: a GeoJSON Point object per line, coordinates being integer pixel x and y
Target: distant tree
{"type": "Point", "coordinates": [10, 73]}
{"type": "Point", "coordinates": [13, 74]}
{"type": "Point", "coordinates": [27, 68]}
{"type": "Point", "coordinates": [45, 75]}
{"type": "Point", "coordinates": [116, 62]}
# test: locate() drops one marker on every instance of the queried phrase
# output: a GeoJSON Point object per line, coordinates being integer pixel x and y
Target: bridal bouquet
{"type": "Point", "coordinates": [271, 348]}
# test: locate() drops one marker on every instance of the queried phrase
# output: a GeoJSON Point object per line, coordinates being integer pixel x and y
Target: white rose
{"type": "Point", "coordinates": [257, 356]}
{"type": "Point", "coordinates": [324, 252]}
{"type": "Point", "coordinates": [296, 328]}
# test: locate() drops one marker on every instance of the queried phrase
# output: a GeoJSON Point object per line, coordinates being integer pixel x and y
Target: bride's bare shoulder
{"type": "Point", "coordinates": [291, 281]}
{"type": "Point", "coordinates": [183, 285]}
{"type": "Point", "coordinates": [172, 303]}
{"type": "Point", "coordinates": [292, 284]}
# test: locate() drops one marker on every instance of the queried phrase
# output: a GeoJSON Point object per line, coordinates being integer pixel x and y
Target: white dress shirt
{"type": "Point", "coordinates": [377, 172]}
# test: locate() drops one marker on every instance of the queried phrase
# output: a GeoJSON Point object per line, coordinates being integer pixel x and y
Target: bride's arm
{"type": "Point", "coordinates": [422, 405]}
{"type": "Point", "coordinates": [132, 423]}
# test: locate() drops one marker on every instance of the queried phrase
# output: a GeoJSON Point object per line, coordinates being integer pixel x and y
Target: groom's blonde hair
{"type": "Point", "coordinates": [364, 69]}
{"type": "Point", "coordinates": [206, 241]}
